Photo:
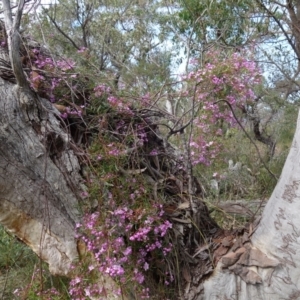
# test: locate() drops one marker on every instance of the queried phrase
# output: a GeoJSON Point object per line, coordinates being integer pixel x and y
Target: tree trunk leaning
{"type": "Point", "coordinates": [38, 176]}
{"type": "Point", "coordinates": [267, 266]}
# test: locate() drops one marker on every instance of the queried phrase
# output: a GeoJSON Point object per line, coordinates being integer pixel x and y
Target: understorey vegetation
{"type": "Point", "coordinates": [156, 162]}
{"type": "Point", "coordinates": [144, 218]}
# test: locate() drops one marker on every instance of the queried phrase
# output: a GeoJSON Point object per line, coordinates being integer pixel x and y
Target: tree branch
{"type": "Point", "coordinates": [13, 36]}
{"type": "Point", "coordinates": [61, 31]}
{"type": "Point", "coordinates": [271, 14]}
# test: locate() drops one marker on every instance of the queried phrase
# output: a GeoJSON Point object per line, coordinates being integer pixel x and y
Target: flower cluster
{"type": "Point", "coordinates": [113, 101]}
{"type": "Point", "coordinates": [50, 78]}
{"type": "Point", "coordinates": [122, 247]}
{"type": "Point", "coordinates": [47, 75]}
{"type": "Point", "coordinates": [219, 84]}
{"type": "Point", "coordinates": [101, 90]}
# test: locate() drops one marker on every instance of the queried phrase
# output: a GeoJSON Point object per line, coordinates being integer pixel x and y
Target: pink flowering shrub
{"type": "Point", "coordinates": [126, 241]}
{"type": "Point", "coordinates": [123, 244]}
{"type": "Point", "coordinates": [105, 93]}
{"type": "Point", "coordinates": [221, 82]}
{"type": "Point", "coordinates": [128, 237]}
{"type": "Point", "coordinates": [49, 76]}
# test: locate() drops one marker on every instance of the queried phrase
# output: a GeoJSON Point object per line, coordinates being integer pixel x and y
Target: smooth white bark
{"type": "Point", "coordinates": [278, 237]}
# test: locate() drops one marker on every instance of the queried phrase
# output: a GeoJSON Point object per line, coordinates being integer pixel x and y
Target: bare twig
{"type": "Point", "coordinates": [61, 31]}
{"type": "Point", "coordinates": [272, 15]}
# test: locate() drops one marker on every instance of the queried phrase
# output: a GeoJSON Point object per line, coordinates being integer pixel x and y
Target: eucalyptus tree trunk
{"type": "Point", "coordinates": [39, 173]}
{"type": "Point", "coordinates": [38, 199]}
{"type": "Point", "coordinates": [267, 264]}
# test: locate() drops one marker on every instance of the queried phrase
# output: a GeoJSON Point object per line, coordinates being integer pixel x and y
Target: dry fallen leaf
{"type": "Point", "coordinates": [232, 257]}
{"type": "Point", "coordinates": [184, 205]}
{"type": "Point", "coordinates": [249, 276]}
{"type": "Point", "coordinates": [221, 251]}
{"type": "Point", "coordinates": [255, 257]}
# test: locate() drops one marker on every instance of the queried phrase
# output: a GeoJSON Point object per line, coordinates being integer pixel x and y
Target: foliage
{"type": "Point", "coordinates": [226, 22]}
{"type": "Point", "coordinates": [114, 83]}
{"type": "Point", "coordinates": [128, 52]}
{"type": "Point", "coordinates": [129, 238]}
{"type": "Point", "coordinates": [23, 275]}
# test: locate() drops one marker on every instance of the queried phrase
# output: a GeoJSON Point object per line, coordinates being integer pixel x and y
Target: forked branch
{"type": "Point", "coordinates": [12, 27]}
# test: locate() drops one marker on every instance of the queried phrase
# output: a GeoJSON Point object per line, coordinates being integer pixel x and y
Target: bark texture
{"type": "Point", "coordinates": [267, 265]}
{"type": "Point", "coordinates": [38, 176]}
